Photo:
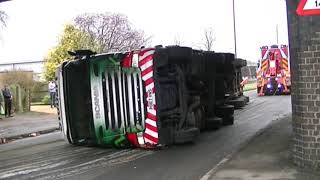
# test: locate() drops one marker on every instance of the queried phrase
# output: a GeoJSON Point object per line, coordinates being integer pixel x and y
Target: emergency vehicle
{"type": "Point", "coordinates": [273, 73]}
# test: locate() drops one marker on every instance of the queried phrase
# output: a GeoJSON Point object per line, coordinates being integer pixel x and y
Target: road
{"type": "Point", "coordinates": [49, 157]}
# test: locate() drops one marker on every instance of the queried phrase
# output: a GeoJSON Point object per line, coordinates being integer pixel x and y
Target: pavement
{"type": "Point", "coordinates": [266, 157]}
{"type": "Point", "coordinates": [28, 124]}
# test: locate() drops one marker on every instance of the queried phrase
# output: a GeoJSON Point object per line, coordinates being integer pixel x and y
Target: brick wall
{"type": "Point", "coordinates": [304, 41]}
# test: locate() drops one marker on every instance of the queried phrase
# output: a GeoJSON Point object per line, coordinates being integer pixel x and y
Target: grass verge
{"type": "Point", "coordinates": [250, 86]}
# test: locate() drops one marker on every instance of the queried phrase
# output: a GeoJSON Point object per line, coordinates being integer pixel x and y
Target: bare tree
{"type": "Point", "coordinates": [209, 38]}
{"type": "Point", "coordinates": [113, 32]}
{"type": "Point", "coordinates": [177, 40]}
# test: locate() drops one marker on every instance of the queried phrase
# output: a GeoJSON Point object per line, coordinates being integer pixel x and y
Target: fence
{"type": "Point", "coordinates": [39, 92]}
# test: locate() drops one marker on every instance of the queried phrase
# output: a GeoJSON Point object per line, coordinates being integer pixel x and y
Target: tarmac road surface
{"type": "Point", "coordinates": [50, 157]}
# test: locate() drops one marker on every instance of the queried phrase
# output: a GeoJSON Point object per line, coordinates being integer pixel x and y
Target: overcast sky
{"type": "Point", "coordinates": [34, 26]}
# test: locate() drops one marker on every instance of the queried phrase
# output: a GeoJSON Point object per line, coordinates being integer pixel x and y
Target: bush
{"type": "Point", "coordinates": [46, 99]}
{"type": "Point", "coordinates": [38, 91]}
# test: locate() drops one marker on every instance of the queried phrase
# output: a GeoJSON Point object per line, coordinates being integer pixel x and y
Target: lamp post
{"type": "Point", "coordinates": [234, 30]}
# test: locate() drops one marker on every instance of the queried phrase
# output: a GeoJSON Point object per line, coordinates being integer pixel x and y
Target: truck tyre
{"type": "Point", "coordinates": [238, 102]}
{"type": "Point", "coordinates": [240, 63]}
{"type": "Point", "coordinates": [226, 113]}
{"type": "Point", "coordinates": [186, 135]}
{"type": "Point", "coordinates": [213, 123]}
{"type": "Point", "coordinates": [228, 121]}
{"type": "Point", "coordinates": [229, 57]}
{"type": "Point", "coordinates": [178, 53]}
{"type": "Point", "coordinates": [247, 98]}
{"type": "Point", "coordinates": [161, 58]}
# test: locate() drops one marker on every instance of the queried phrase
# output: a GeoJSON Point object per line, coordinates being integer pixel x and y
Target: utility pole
{"type": "Point", "coordinates": [234, 30]}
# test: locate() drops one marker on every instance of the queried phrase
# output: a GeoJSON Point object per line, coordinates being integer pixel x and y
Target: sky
{"type": "Point", "coordinates": [34, 26]}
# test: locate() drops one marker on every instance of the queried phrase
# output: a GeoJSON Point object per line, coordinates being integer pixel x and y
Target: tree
{"type": "Point", "coordinates": [20, 83]}
{"type": "Point", "coordinates": [71, 39]}
{"type": "Point", "coordinates": [111, 31]}
{"type": "Point", "coordinates": [17, 77]}
{"type": "Point", "coordinates": [177, 40]}
{"type": "Point", "coordinates": [208, 39]}
{"type": "Point", "coordinates": [98, 32]}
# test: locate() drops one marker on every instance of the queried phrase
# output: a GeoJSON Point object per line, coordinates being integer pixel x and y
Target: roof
{"type": "Point", "coordinates": [25, 62]}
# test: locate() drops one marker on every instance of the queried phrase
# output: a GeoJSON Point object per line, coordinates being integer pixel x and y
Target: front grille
{"type": "Point", "coordinates": [123, 98]}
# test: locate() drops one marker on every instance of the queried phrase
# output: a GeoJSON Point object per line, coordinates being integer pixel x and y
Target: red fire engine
{"type": "Point", "coordinates": [273, 73]}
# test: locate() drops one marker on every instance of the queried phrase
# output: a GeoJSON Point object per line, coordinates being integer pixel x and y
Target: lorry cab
{"type": "Point", "coordinates": [108, 99]}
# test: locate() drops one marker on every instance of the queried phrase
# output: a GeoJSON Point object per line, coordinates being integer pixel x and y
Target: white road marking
{"type": "Point", "coordinates": [214, 169]}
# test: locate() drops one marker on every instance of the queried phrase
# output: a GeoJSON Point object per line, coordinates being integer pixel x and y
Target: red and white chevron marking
{"type": "Point", "coordinates": [146, 66]}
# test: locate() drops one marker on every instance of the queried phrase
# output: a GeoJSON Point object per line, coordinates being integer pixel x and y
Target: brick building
{"type": "Point", "coordinates": [304, 41]}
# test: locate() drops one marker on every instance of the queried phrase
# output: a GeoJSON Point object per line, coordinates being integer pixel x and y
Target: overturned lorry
{"type": "Point", "coordinates": [147, 98]}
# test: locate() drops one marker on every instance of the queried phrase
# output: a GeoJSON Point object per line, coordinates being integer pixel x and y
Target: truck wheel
{"type": "Point", "coordinates": [226, 113]}
{"type": "Point", "coordinates": [178, 53]}
{"type": "Point", "coordinates": [161, 58]}
{"type": "Point", "coordinates": [213, 123]}
{"type": "Point", "coordinates": [224, 110]}
{"type": "Point", "coordinates": [247, 98]}
{"type": "Point", "coordinates": [186, 135]}
{"type": "Point", "coordinates": [240, 63]}
{"type": "Point", "coordinates": [238, 102]}
{"type": "Point", "coordinates": [228, 120]}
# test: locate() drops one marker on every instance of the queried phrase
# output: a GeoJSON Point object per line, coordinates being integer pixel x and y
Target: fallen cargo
{"type": "Point", "coordinates": [147, 98]}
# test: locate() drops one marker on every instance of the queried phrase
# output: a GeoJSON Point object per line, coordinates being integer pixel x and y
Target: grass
{"type": "Point", "coordinates": [250, 86]}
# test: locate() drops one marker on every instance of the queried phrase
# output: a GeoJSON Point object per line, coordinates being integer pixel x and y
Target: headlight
{"type": "Point", "coordinates": [268, 86]}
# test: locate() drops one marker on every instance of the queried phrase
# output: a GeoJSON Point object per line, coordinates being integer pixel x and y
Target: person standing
{"type": "Point", "coordinates": [52, 91]}
{"type": "Point", "coordinates": [1, 105]}
{"type": "Point", "coordinates": [7, 101]}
